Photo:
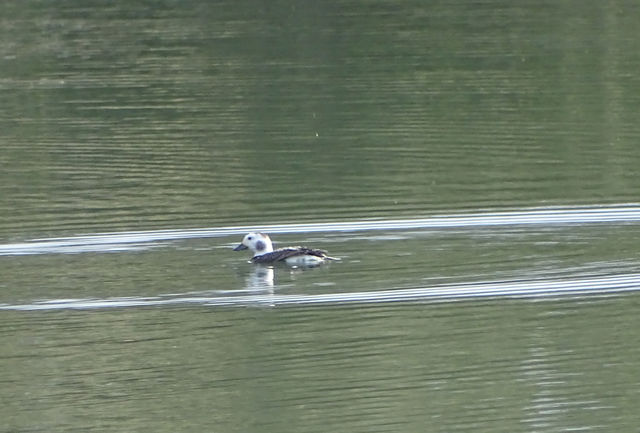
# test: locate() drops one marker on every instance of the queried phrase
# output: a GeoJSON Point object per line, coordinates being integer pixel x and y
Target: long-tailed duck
{"type": "Point", "coordinates": [263, 252]}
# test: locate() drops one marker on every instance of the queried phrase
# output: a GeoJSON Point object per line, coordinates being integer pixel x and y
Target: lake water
{"type": "Point", "coordinates": [473, 164]}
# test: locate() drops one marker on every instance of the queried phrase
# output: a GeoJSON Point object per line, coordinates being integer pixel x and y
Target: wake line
{"type": "Point", "coordinates": [606, 285]}
{"type": "Point", "coordinates": [624, 213]}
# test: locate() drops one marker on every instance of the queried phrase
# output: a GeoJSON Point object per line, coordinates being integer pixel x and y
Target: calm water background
{"type": "Point", "coordinates": [138, 140]}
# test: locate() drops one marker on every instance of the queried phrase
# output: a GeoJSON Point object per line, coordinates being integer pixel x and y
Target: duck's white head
{"type": "Point", "coordinates": [259, 243]}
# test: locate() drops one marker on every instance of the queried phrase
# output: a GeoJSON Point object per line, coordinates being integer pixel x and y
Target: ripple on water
{"type": "Point", "coordinates": [604, 285]}
{"type": "Point", "coordinates": [624, 213]}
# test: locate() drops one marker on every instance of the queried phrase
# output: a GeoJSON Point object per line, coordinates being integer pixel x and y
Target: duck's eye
{"type": "Point", "coordinates": [250, 238]}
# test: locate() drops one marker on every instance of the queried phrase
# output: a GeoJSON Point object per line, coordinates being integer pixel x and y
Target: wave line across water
{"type": "Point", "coordinates": [622, 213]}
{"type": "Point", "coordinates": [600, 285]}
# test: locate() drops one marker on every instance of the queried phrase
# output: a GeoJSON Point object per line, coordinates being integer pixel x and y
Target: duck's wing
{"type": "Point", "coordinates": [282, 254]}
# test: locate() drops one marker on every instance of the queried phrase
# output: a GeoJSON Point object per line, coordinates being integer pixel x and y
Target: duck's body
{"type": "Point", "coordinates": [264, 253]}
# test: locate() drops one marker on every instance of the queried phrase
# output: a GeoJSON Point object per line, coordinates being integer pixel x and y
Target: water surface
{"type": "Point", "coordinates": [473, 164]}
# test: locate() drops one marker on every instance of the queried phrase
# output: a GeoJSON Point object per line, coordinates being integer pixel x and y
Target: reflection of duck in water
{"type": "Point", "coordinates": [260, 278]}
{"type": "Point", "coordinates": [263, 252]}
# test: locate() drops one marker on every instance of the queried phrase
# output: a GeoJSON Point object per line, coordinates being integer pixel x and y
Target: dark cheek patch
{"type": "Point", "coordinates": [260, 246]}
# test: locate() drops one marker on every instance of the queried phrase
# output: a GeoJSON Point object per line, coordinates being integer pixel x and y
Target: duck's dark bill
{"type": "Point", "coordinates": [240, 247]}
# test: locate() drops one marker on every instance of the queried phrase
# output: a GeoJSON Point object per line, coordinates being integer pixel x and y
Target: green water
{"type": "Point", "coordinates": [501, 366]}
{"type": "Point", "coordinates": [132, 115]}
{"type": "Point", "coordinates": [137, 116]}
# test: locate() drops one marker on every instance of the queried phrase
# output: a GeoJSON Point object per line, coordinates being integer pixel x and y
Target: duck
{"type": "Point", "coordinates": [263, 253]}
